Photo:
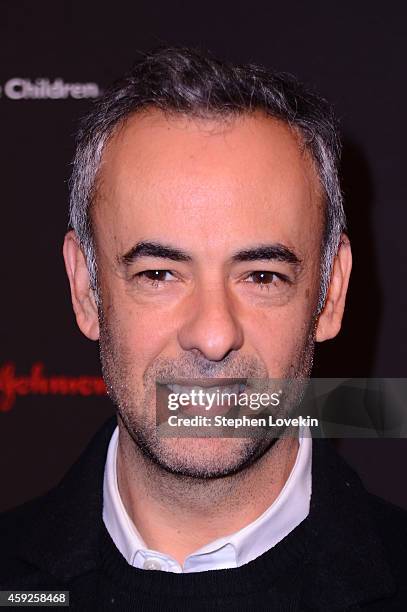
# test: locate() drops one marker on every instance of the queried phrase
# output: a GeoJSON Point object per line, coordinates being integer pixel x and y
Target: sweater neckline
{"type": "Point", "coordinates": [269, 570]}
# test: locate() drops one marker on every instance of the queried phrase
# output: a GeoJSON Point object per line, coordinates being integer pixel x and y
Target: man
{"type": "Point", "coordinates": [208, 242]}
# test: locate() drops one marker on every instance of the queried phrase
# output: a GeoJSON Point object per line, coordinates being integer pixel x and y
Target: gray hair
{"type": "Point", "coordinates": [185, 81]}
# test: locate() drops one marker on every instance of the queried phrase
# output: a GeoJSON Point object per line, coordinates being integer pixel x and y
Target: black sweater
{"type": "Point", "coordinates": [348, 554]}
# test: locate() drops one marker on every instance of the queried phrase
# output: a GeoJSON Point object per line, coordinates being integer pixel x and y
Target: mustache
{"type": "Point", "coordinates": [191, 366]}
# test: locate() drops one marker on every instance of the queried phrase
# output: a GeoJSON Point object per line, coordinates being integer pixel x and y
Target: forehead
{"type": "Point", "coordinates": [194, 178]}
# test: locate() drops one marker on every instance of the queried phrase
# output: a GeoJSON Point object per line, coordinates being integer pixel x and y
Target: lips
{"type": "Point", "coordinates": [205, 382]}
{"type": "Point", "coordinates": [236, 389]}
{"type": "Point", "coordinates": [208, 396]}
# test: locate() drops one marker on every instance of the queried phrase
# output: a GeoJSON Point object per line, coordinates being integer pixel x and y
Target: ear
{"type": "Point", "coordinates": [330, 319]}
{"type": "Point", "coordinates": [83, 300]}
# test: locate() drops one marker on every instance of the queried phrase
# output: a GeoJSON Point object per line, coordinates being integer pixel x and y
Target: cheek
{"type": "Point", "coordinates": [279, 337]}
{"type": "Point", "coordinates": [141, 334]}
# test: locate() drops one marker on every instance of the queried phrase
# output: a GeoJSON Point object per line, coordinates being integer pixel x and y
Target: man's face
{"type": "Point", "coordinates": [208, 238]}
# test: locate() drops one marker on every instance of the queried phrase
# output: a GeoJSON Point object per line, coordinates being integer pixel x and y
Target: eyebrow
{"type": "Point", "coordinates": [261, 252]}
{"type": "Point", "coordinates": [268, 252]}
{"type": "Point", "coordinates": [153, 249]}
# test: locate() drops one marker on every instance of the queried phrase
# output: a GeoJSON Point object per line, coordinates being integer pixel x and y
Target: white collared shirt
{"type": "Point", "coordinates": [287, 511]}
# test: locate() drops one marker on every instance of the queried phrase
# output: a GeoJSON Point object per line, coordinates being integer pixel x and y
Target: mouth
{"type": "Point", "coordinates": [206, 383]}
{"type": "Point", "coordinates": [211, 397]}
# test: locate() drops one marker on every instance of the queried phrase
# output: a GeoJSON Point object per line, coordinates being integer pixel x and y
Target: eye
{"type": "Point", "coordinates": [154, 277]}
{"type": "Point", "coordinates": [265, 278]}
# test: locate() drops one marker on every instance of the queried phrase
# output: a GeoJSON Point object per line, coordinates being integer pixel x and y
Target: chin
{"type": "Point", "coordinates": [205, 457]}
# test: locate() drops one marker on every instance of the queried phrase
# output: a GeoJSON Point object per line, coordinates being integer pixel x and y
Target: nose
{"type": "Point", "coordinates": [211, 325]}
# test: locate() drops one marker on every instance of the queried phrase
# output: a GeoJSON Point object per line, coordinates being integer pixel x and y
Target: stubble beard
{"type": "Point", "coordinates": [188, 458]}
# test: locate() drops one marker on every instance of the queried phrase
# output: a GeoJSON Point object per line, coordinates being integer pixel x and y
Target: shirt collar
{"type": "Point", "coordinates": [289, 509]}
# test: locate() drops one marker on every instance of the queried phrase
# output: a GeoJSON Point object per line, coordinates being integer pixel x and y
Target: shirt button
{"type": "Point", "coordinates": [152, 564]}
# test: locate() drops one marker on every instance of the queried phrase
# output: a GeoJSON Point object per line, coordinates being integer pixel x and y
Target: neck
{"type": "Point", "coordinates": [177, 515]}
